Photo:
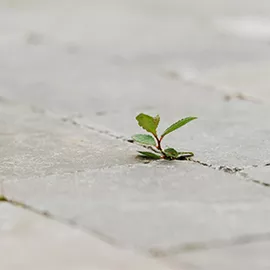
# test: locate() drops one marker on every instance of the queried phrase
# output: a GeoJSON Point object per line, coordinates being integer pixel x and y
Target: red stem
{"type": "Point", "coordinates": [159, 145]}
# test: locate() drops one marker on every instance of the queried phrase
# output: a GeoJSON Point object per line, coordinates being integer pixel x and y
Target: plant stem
{"type": "Point", "coordinates": [159, 145]}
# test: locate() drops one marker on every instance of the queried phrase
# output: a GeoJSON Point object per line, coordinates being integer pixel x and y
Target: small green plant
{"type": "Point", "coordinates": [153, 141]}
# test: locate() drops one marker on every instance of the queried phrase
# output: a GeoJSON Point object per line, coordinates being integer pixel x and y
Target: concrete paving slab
{"type": "Point", "coordinates": [238, 257]}
{"type": "Point", "coordinates": [151, 207]}
{"type": "Point", "coordinates": [29, 241]}
{"type": "Point", "coordinates": [35, 143]}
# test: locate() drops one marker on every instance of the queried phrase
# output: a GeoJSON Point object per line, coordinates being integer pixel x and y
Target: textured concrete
{"type": "Point", "coordinates": [30, 241]}
{"type": "Point", "coordinates": [35, 143]}
{"type": "Point", "coordinates": [73, 76]}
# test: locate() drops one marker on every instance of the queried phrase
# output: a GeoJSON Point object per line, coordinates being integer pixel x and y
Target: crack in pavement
{"type": "Point", "coordinates": [227, 169]}
{"type": "Point", "coordinates": [237, 171]}
{"type": "Point", "coordinates": [47, 214]}
{"type": "Point", "coordinates": [69, 119]}
{"type": "Point", "coordinates": [255, 181]}
{"type": "Point", "coordinates": [214, 244]}
{"type": "Point", "coordinates": [3, 198]}
{"type": "Point", "coordinates": [107, 132]}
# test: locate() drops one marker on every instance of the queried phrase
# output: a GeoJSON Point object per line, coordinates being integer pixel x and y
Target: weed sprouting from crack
{"type": "Point", "coordinates": [153, 141]}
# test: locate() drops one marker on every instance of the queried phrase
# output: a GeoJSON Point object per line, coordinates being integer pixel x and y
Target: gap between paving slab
{"type": "Point", "coordinates": [29, 241]}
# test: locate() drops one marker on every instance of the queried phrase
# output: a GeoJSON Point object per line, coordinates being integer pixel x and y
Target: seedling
{"type": "Point", "coordinates": [153, 141]}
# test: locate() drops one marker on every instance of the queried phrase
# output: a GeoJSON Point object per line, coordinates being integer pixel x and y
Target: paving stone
{"type": "Point", "coordinates": [29, 241]}
{"type": "Point", "coordinates": [247, 256]}
{"type": "Point", "coordinates": [34, 143]}
{"type": "Point", "coordinates": [153, 206]}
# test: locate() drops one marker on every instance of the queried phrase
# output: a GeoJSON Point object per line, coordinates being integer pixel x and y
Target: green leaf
{"type": "Point", "coordinates": [177, 125]}
{"type": "Point", "coordinates": [171, 153]}
{"type": "Point", "coordinates": [148, 122]}
{"type": "Point", "coordinates": [144, 139]}
{"type": "Point", "coordinates": [149, 155]}
{"type": "Point", "coordinates": [157, 119]}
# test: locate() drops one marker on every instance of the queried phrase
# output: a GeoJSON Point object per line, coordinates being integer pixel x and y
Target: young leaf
{"type": "Point", "coordinates": [177, 125]}
{"type": "Point", "coordinates": [157, 119]}
{"type": "Point", "coordinates": [171, 153]}
{"type": "Point", "coordinates": [144, 139]}
{"type": "Point", "coordinates": [149, 155]}
{"type": "Point", "coordinates": [148, 122]}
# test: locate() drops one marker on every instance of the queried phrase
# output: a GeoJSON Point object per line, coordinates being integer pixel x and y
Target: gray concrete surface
{"type": "Point", "coordinates": [30, 241]}
{"type": "Point", "coordinates": [152, 207]}
{"type": "Point", "coordinates": [36, 143]}
{"type": "Point", "coordinates": [73, 76]}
